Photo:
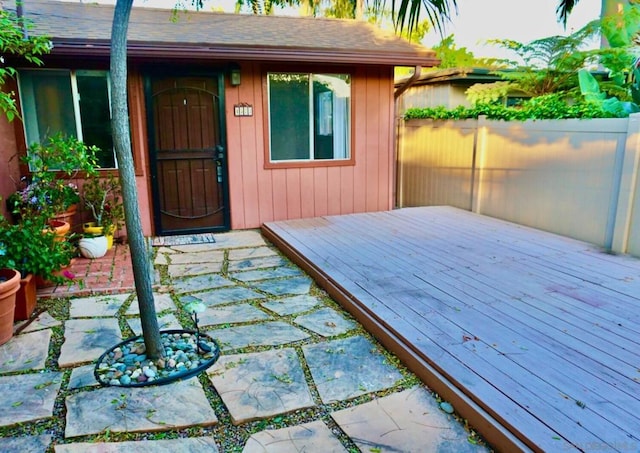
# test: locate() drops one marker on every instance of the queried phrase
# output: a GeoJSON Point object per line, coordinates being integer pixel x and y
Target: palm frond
{"type": "Point", "coordinates": [406, 13]}
{"type": "Point", "coordinates": [564, 9]}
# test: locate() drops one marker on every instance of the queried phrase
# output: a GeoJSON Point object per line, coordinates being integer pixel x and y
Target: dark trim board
{"type": "Point", "coordinates": [533, 337]}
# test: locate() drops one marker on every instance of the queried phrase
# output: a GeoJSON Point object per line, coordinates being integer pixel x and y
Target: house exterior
{"type": "Point", "coordinates": [447, 87]}
{"type": "Point", "coordinates": [235, 120]}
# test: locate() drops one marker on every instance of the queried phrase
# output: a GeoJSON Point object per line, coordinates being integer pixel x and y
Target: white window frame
{"type": "Point", "coordinates": [343, 133]}
{"type": "Point", "coordinates": [75, 98]}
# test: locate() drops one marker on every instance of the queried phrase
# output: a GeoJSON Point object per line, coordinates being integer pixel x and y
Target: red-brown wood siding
{"type": "Point", "coordinates": [261, 195]}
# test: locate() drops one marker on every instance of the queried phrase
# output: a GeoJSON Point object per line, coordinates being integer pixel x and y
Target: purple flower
{"type": "Point", "coordinates": [68, 274]}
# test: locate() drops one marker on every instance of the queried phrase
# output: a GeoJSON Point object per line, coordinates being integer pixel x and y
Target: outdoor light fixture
{"type": "Point", "coordinates": [234, 74]}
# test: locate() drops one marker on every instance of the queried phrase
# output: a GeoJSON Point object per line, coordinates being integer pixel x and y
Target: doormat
{"type": "Point", "coordinates": [185, 239]}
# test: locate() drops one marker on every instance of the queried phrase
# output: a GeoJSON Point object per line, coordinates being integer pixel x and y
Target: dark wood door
{"type": "Point", "coordinates": [187, 155]}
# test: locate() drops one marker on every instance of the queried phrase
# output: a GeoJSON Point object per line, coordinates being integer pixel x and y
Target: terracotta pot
{"type": "Point", "coordinates": [60, 228]}
{"type": "Point", "coordinates": [68, 215]}
{"type": "Point", "coordinates": [26, 298]}
{"type": "Point", "coordinates": [9, 286]}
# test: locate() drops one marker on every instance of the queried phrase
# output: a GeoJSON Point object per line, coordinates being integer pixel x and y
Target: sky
{"type": "Point", "coordinates": [518, 20]}
{"type": "Point", "coordinates": [476, 21]}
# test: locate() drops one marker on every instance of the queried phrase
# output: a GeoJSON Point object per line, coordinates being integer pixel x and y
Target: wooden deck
{"type": "Point", "coordinates": [534, 337]}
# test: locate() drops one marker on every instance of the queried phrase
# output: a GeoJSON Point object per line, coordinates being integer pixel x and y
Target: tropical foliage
{"type": "Point", "coordinates": [557, 73]}
{"type": "Point", "coordinates": [53, 164]}
{"type": "Point", "coordinates": [13, 43]}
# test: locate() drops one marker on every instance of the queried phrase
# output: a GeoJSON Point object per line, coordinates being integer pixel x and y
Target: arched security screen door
{"type": "Point", "coordinates": [187, 154]}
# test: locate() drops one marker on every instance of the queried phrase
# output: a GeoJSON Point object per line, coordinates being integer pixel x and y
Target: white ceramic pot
{"type": "Point", "coordinates": [93, 247]}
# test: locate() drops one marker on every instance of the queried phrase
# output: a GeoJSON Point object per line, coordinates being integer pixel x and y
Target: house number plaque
{"type": "Point", "coordinates": [243, 109]}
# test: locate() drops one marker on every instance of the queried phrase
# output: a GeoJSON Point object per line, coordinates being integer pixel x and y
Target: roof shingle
{"type": "Point", "coordinates": [74, 27]}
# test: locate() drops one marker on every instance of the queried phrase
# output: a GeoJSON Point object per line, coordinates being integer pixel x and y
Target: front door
{"type": "Point", "coordinates": [187, 154]}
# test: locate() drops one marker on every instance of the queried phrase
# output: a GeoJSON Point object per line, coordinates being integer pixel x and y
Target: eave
{"type": "Point", "coordinates": [163, 51]}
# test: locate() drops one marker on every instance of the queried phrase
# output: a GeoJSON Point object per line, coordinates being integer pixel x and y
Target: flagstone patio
{"type": "Point", "coordinates": [296, 373]}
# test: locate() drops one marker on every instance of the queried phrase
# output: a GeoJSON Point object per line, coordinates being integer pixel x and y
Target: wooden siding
{"type": "Point", "coordinates": [10, 162]}
{"type": "Point", "coordinates": [532, 336]}
{"type": "Point", "coordinates": [261, 195]}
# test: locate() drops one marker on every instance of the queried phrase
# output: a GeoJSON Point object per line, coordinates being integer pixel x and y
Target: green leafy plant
{"type": "Point", "coordinates": [452, 56]}
{"type": "Point", "coordinates": [53, 163]}
{"type": "Point", "coordinates": [103, 197]}
{"type": "Point", "coordinates": [548, 107]}
{"type": "Point", "coordinates": [546, 65]}
{"type": "Point", "coordinates": [31, 249]}
{"type": "Point", "coordinates": [554, 72]}
{"type": "Point", "coordinates": [13, 42]}
{"type": "Point", "coordinates": [619, 94]}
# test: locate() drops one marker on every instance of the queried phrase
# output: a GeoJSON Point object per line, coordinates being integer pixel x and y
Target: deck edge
{"type": "Point", "coordinates": [499, 437]}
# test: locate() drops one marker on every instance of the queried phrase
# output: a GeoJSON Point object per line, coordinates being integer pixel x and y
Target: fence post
{"type": "Point", "coordinates": [627, 198]}
{"type": "Point", "coordinates": [477, 164]}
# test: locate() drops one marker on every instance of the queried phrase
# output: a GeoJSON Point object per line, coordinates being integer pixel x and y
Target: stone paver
{"type": "Point", "coordinates": [87, 339]}
{"type": "Point", "coordinates": [257, 263]}
{"type": "Point", "coordinates": [201, 282]}
{"type": "Point", "coordinates": [29, 444]}
{"type": "Point", "coordinates": [28, 397]}
{"type": "Point", "coordinates": [346, 368]}
{"type": "Point", "coordinates": [222, 296]}
{"type": "Point", "coordinates": [161, 259]}
{"type": "Point", "coordinates": [162, 302]}
{"type": "Point", "coordinates": [409, 421]}
{"type": "Point", "coordinates": [265, 274]}
{"type": "Point", "coordinates": [262, 384]}
{"type": "Point", "coordinates": [42, 321]}
{"type": "Point", "coordinates": [166, 321]}
{"type": "Point", "coordinates": [291, 305]}
{"type": "Point", "coordinates": [153, 408]}
{"type": "Point", "coordinates": [197, 257]}
{"type": "Point", "coordinates": [300, 285]}
{"type": "Point", "coordinates": [189, 445]}
{"type": "Point", "coordinates": [27, 351]}
{"type": "Point", "coordinates": [231, 314]}
{"type": "Point", "coordinates": [326, 322]}
{"type": "Point", "coordinates": [182, 270]}
{"type": "Point", "coordinates": [250, 253]}
{"type": "Point", "coordinates": [309, 437]}
{"type": "Point", "coordinates": [238, 239]}
{"type": "Point", "coordinates": [82, 377]}
{"type": "Point", "coordinates": [97, 306]}
{"type": "Point", "coordinates": [264, 334]}
{"type": "Point", "coordinates": [263, 302]}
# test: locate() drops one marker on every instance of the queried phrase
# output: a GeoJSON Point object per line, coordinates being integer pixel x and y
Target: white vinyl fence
{"type": "Point", "coordinates": [577, 178]}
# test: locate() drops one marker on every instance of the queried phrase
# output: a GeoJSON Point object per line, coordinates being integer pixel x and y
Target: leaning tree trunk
{"type": "Point", "coordinates": [122, 142]}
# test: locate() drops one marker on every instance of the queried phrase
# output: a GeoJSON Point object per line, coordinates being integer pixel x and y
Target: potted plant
{"type": "Point", "coordinates": [93, 246]}
{"type": "Point", "coordinates": [34, 252]}
{"type": "Point", "coordinates": [50, 190]}
{"type": "Point", "coordinates": [103, 198]}
{"type": "Point", "coordinates": [9, 286]}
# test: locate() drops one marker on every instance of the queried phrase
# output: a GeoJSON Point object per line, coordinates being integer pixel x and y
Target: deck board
{"type": "Point", "coordinates": [540, 333]}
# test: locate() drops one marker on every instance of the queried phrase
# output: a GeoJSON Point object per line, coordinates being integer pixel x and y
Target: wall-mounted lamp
{"type": "Point", "coordinates": [234, 74]}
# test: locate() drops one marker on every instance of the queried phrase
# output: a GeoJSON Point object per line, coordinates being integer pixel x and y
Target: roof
{"type": "Point", "coordinates": [454, 76]}
{"type": "Point", "coordinates": [85, 28]}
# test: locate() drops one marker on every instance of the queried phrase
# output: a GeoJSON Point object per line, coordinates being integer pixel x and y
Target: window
{"type": "Point", "coordinates": [75, 103]}
{"type": "Point", "coordinates": [309, 117]}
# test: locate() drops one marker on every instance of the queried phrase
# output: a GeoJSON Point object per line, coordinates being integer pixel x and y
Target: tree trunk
{"type": "Point", "coordinates": [122, 141]}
